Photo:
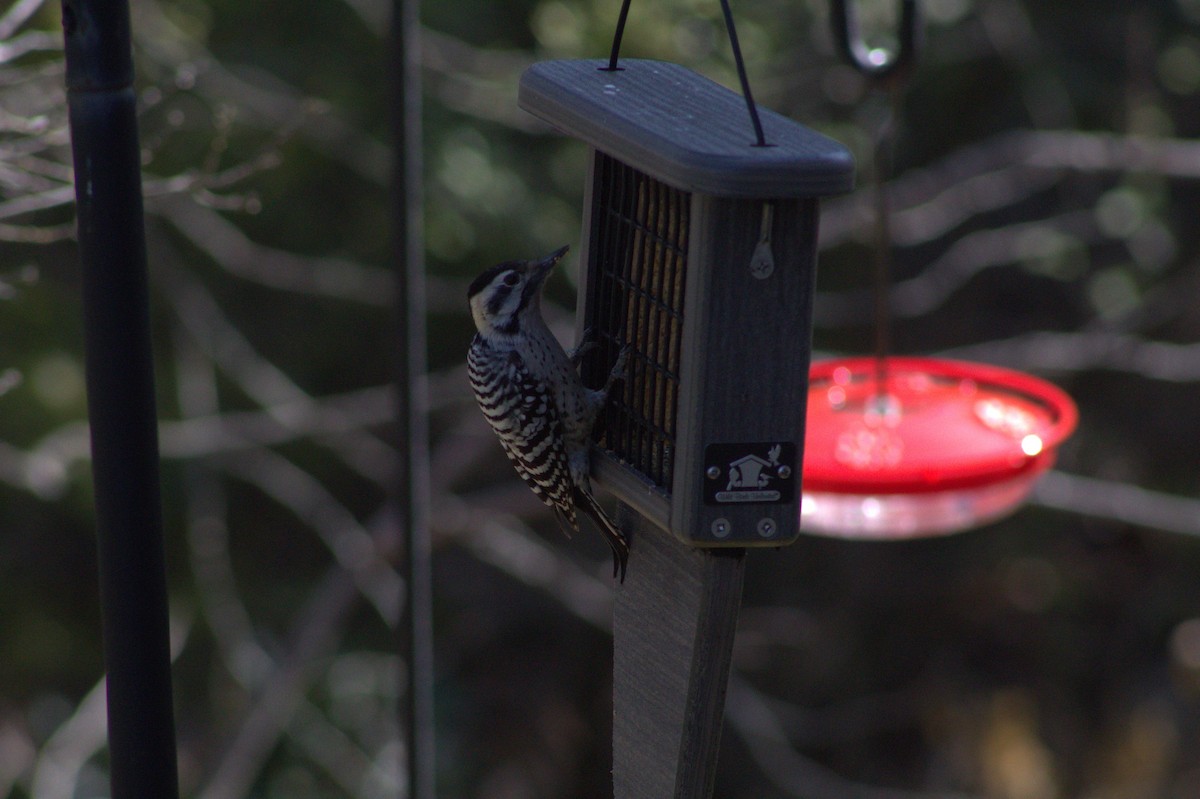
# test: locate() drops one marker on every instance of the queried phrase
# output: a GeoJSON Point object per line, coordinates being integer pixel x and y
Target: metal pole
{"type": "Point", "coordinates": [121, 408]}
{"type": "Point", "coordinates": [412, 409]}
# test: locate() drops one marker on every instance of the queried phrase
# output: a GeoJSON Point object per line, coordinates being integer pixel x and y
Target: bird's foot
{"type": "Point", "coordinates": [587, 343]}
{"type": "Point", "coordinates": [620, 368]}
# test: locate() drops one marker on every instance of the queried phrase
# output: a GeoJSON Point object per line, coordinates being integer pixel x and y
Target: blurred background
{"type": "Point", "coordinates": [1045, 193]}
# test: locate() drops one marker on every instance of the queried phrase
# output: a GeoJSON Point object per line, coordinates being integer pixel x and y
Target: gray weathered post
{"type": "Point", "coordinates": [673, 628]}
{"type": "Point", "coordinates": [699, 254]}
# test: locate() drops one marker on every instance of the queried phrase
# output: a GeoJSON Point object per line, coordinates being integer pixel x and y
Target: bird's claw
{"type": "Point", "coordinates": [620, 562]}
{"type": "Point", "coordinates": [620, 369]}
{"type": "Point", "coordinates": [587, 343]}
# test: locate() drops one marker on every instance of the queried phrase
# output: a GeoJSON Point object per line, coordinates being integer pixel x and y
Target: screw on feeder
{"type": "Point", "coordinates": [762, 262]}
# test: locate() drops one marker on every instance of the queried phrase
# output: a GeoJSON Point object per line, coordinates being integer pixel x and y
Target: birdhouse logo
{"type": "Point", "coordinates": [749, 473]}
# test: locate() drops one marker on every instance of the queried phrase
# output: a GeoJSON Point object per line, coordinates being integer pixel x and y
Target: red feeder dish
{"type": "Point", "coordinates": [944, 447]}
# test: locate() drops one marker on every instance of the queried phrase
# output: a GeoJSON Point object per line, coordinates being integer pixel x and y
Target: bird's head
{"type": "Point", "coordinates": [506, 294]}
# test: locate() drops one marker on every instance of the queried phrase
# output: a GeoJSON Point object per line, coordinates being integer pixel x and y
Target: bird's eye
{"type": "Point", "coordinates": [512, 279]}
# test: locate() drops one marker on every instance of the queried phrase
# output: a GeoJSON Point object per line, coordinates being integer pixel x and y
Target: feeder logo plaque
{"type": "Point", "coordinates": [763, 474]}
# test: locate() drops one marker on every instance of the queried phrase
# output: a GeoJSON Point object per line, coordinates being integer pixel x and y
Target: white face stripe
{"type": "Point", "coordinates": [496, 307]}
{"type": "Point", "coordinates": [511, 300]}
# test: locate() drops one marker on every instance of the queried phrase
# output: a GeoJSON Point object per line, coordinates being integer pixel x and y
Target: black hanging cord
{"type": "Point", "coordinates": [760, 139]}
{"type": "Point", "coordinates": [751, 107]}
{"type": "Point", "coordinates": [617, 35]}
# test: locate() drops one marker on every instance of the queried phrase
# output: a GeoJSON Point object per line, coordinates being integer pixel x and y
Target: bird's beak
{"type": "Point", "coordinates": [542, 268]}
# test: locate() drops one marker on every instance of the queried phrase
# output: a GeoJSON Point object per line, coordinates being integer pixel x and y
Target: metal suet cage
{"type": "Point", "coordinates": [699, 253]}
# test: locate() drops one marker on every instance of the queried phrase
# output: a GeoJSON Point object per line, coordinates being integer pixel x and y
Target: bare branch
{"type": "Point", "coordinates": [234, 251]}
{"type": "Point", "coordinates": [1000, 172]}
{"type": "Point", "coordinates": [41, 201]}
{"type": "Point", "coordinates": [16, 16]}
{"type": "Point", "coordinates": [1110, 152]}
{"type": "Point", "coordinates": [43, 470]}
{"type": "Point", "coordinates": [509, 545]}
{"type": "Point", "coordinates": [476, 81]}
{"type": "Point", "coordinates": [1083, 351]}
{"type": "Point", "coordinates": [34, 234]}
{"type": "Point", "coordinates": [750, 715]}
{"type": "Point", "coordinates": [31, 42]}
{"type": "Point", "coordinates": [20, 753]}
{"type": "Point", "coordinates": [354, 548]}
{"type": "Point", "coordinates": [963, 260]}
{"type": "Point", "coordinates": [229, 619]}
{"type": "Point", "coordinates": [1118, 502]}
{"type": "Point", "coordinates": [83, 735]}
{"type": "Point", "coordinates": [269, 103]}
{"type": "Point", "coordinates": [353, 769]}
{"type": "Point", "coordinates": [76, 741]}
{"type": "Point", "coordinates": [262, 380]}
{"type": "Point", "coordinates": [318, 628]}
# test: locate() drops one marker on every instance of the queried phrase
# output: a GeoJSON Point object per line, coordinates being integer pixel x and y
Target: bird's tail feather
{"type": "Point", "coordinates": [615, 538]}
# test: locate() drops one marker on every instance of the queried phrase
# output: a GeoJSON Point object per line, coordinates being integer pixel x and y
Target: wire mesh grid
{"type": "Point", "coordinates": [638, 266]}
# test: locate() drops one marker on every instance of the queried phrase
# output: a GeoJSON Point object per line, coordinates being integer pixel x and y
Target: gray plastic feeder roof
{"type": "Point", "coordinates": [684, 129]}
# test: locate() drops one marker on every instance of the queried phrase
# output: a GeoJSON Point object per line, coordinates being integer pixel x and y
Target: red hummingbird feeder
{"type": "Point", "coordinates": [938, 447]}
{"type": "Point", "coordinates": [909, 447]}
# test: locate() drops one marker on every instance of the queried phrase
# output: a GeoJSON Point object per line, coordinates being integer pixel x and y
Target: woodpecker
{"type": "Point", "coordinates": [532, 396]}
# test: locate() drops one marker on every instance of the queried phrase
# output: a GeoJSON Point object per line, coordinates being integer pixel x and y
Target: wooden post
{"type": "Point", "coordinates": [673, 628]}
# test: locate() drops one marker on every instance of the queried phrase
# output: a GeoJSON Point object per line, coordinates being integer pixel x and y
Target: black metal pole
{"type": "Point", "coordinates": [121, 408]}
{"type": "Point", "coordinates": [412, 401]}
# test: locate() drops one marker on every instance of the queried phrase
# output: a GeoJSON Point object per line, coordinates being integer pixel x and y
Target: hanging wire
{"type": "Point", "coordinates": [760, 139]}
{"type": "Point", "coordinates": [888, 71]}
{"type": "Point", "coordinates": [882, 277]}
{"type": "Point", "coordinates": [617, 36]}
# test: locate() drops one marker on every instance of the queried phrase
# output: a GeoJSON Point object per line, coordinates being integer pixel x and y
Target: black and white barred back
{"type": "Point", "coordinates": [531, 394]}
{"type": "Point", "coordinates": [520, 409]}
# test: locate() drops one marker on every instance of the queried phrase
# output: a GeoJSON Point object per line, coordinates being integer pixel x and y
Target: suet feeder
{"type": "Point", "coordinates": [699, 253]}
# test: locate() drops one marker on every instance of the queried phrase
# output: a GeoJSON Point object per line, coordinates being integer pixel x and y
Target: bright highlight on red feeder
{"type": "Point", "coordinates": [944, 447]}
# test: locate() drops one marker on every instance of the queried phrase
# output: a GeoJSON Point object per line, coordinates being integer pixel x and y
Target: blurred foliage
{"type": "Point", "coordinates": [1044, 187]}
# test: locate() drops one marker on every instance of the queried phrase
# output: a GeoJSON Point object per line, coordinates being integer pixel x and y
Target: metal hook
{"type": "Point", "coordinates": [874, 62]}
